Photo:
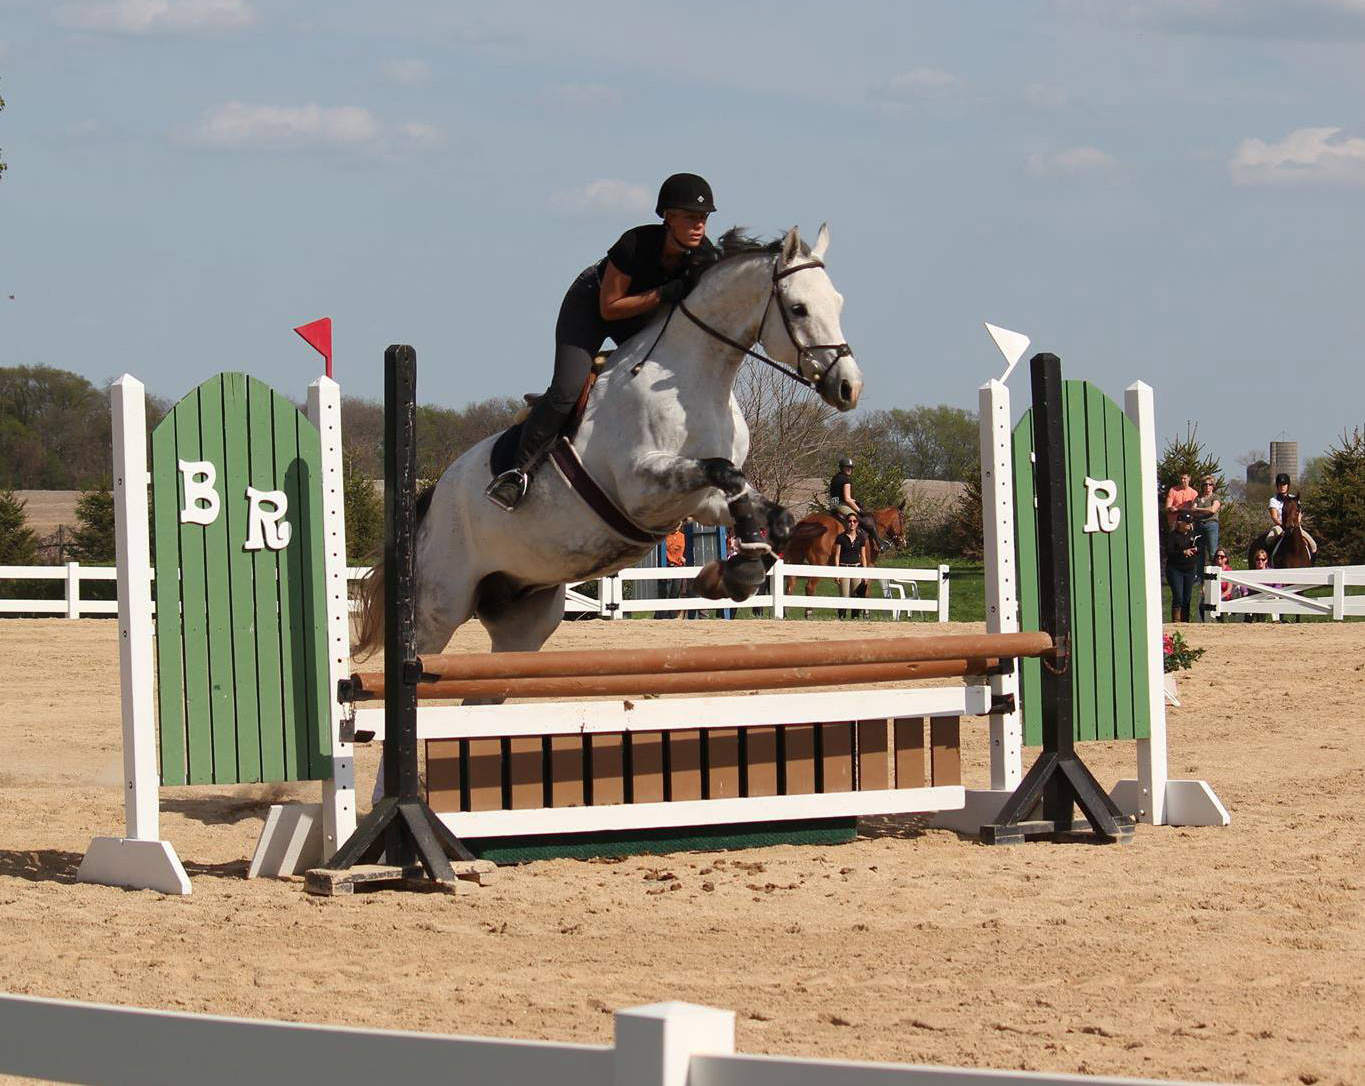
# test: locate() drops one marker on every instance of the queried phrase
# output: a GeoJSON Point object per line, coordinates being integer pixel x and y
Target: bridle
{"type": "Point", "coordinates": [841, 350]}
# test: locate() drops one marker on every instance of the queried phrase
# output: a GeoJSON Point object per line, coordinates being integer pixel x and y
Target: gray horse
{"type": "Point", "coordinates": [662, 437]}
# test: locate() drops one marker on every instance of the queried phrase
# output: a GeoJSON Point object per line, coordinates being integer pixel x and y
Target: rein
{"type": "Point", "coordinates": [841, 350]}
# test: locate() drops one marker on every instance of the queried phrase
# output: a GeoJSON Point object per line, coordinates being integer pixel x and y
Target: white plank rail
{"type": "Point", "coordinates": [662, 1044]}
{"type": "Point", "coordinates": [1277, 592]}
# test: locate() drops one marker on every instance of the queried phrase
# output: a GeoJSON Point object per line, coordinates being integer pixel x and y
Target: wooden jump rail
{"type": "Point", "coordinates": [589, 673]}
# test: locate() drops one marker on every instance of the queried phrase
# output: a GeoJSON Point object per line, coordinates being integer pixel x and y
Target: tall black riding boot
{"type": "Point", "coordinates": [541, 428]}
{"type": "Point", "coordinates": [868, 523]}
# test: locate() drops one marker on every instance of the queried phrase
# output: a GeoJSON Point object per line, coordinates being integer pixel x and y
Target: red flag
{"type": "Point", "coordinates": [318, 335]}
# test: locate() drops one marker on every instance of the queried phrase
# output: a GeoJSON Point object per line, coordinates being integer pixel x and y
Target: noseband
{"type": "Point", "coordinates": [841, 350]}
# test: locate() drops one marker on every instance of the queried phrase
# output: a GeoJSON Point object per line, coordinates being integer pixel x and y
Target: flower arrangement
{"type": "Point", "coordinates": [1176, 653]}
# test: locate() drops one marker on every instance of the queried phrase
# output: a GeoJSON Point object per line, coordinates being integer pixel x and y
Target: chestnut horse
{"type": "Point", "coordinates": [812, 540]}
{"type": "Point", "coordinates": [1291, 550]}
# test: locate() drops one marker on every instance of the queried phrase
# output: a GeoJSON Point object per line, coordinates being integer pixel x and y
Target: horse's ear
{"type": "Point", "coordinates": [821, 242]}
{"type": "Point", "coordinates": [791, 245]}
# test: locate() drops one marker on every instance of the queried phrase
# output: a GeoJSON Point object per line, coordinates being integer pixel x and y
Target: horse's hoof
{"type": "Point", "coordinates": [780, 526]}
{"type": "Point", "coordinates": [743, 576]}
{"type": "Point", "coordinates": [708, 584]}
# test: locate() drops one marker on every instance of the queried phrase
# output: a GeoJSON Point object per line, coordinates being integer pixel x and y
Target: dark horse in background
{"type": "Point", "coordinates": [1291, 550]}
{"type": "Point", "coordinates": [812, 540]}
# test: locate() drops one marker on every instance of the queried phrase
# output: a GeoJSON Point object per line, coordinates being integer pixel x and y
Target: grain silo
{"type": "Point", "coordinates": [1284, 457]}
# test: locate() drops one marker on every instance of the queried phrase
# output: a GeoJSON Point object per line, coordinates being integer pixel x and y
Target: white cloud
{"type": "Point", "coordinates": [1076, 162]}
{"type": "Point", "coordinates": [585, 96]}
{"type": "Point", "coordinates": [921, 83]}
{"type": "Point", "coordinates": [1046, 96]}
{"type": "Point", "coordinates": [157, 16]}
{"type": "Point", "coordinates": [604, 196]}
{"type": "Point", "coordinates": [420, 134]}
{"type": "Point", "coordinates": [1305, 156]}
{"type": "Point", "coordinates": [408, 73]}
{"type": "Point", "coordinates": [1301, 19]}
{"type": "Point", "coordinates": [242, 126]}
{"type": "Point", "coordinates": [916, 88]}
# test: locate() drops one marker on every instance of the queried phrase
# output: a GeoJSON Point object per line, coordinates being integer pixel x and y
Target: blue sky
{"type": "Point", "coordinates": [1171, 190]}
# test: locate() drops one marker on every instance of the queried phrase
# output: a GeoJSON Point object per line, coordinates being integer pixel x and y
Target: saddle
{"type": "Point", "coordinates": [505, 448]}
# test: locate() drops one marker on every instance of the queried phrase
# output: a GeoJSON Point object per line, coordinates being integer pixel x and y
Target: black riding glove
{"type": "Point", "coordinates": [675, 290]}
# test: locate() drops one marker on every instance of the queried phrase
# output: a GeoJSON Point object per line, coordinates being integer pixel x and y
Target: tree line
{"type": "Point", "coordinates": [55, 435]}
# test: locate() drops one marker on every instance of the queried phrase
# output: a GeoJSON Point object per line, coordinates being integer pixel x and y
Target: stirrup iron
{"type": "Point", "coordinates": [516, 478]}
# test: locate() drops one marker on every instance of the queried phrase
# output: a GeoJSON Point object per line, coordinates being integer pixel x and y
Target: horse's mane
{"type": "Point", "coordinates": [737, 242]}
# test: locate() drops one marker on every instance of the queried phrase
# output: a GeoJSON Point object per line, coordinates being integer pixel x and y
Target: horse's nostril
{"type": "Point", "coordinates": [845, 391]}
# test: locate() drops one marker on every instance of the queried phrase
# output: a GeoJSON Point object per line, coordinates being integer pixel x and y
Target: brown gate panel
{"type": "Point", "coordinates": [606, 759]}
{"type": "Point", "coordinates": [646, 767]}
{"type": "Point", "coordinates": [443, 774]}
{"type": "Point", "coordinates": [873, 769]}
{"type": "Point", "coordinates": [799, 758]}
{"type": "Point", "coordinates": [909, 757]}
{"type": "Point", "coordinates": [526, 771]}
{"type": "Point", "coordinates": [722, 763]}
{"type": "Point", "coordinates": [946, 749]}
{"type": "Point", "coordinates": [684, 765]}
{"type": "Point", "coordinates": [836, 757]}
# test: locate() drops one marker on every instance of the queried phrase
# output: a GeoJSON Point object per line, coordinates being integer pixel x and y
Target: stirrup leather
{"type": "Point", "coordinates": [514, 477]}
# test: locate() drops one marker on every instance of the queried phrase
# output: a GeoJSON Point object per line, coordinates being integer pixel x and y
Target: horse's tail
{"type": "Point", "coordinates": [370, 625]}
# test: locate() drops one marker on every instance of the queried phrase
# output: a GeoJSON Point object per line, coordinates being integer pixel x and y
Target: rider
{"type": "Point", "coordinates": [842, 502]}
{"type": "Point", "coordinates": [648, 266]}
{"type": "Point", "coordinates": [1276, 509]}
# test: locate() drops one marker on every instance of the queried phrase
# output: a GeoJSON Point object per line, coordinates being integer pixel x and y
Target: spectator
{"type": "Point", "coordinates": [1206, 509]}
{"type": "Point", "coordinates": [1276, 509]}
{"type": "Point", "coordinates": [1260, 559]}
{"type": "Point", "coordinates": [1182, 558]}
{"type": "Point", "coordinates": [1227, 590]}
{"type": "Point", "coordinates": [849, 547]}
{"type": "Point", "coordinates": [1179, 498]}
{"type": "Point", "coordinates": [675, 548]}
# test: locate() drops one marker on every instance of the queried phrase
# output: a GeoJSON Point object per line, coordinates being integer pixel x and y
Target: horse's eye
{"type": "Point", "coordinates": [798, 310]}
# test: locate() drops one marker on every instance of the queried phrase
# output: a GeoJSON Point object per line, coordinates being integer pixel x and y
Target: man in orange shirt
{"type": "Point", "coordinates": [1179, 498]}
{"type": "Point", "coordinates": [675, 548]}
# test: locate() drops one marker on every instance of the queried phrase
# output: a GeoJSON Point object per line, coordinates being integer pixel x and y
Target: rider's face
{"type": "Point", "coordinates": [686, 228]}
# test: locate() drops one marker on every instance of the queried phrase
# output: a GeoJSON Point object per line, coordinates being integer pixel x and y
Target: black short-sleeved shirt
{"type": "Point", "coordinates": [850, 546]}
{"type": "Point", "coordinates": [637, 254]}
{"type": "Point", "coordinates": [836, 485]}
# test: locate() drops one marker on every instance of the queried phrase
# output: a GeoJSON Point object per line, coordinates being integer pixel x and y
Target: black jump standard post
{"type": "Point", "coordinates": [1058, 780]}
{"type": "Point", "coordinates": [402, 828]}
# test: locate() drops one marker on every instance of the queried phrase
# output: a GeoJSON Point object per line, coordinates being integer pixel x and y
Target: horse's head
{"type": "Point", "coordinates": [801, 328]}
{"type": "Point", "coordinates": [891, 524]}
{"type": "Point", "coordinates": [1291, 514]}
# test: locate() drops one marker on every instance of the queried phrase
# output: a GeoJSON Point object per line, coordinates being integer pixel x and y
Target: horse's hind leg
{"type": "Point", "coordinates": [525, 623]}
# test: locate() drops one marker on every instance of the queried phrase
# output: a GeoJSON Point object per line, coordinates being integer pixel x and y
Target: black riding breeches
{"type": "Point", "coordinates": [580, 332]}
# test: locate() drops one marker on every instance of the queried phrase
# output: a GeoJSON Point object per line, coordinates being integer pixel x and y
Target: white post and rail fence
{"type": "Point", "coordinates": [663, 1044]}
{"type": "Point", "coordinates": [903, 591]}
{"type": "Point", "coordinates": [1338, 592]}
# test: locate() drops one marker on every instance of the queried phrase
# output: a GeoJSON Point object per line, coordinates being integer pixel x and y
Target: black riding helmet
{"type": "Point", "coordinates": [1282, 479]}
{"type": "Point", "coordinates": [685, 191]}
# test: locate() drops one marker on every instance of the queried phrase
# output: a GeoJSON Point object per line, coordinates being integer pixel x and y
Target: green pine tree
{"type": "Point", "coordinates": [1188, 456]}
{"type": "Point", "coordinates": [1335, 507]}
{"type": "Point", "coordinates": [364, 513]}
{"type": "Point", "coordinates": [93, 539]}
{"type": "Point", "coordinates": [18, 542]}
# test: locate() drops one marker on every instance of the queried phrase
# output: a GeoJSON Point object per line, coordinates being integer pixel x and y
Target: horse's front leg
{"type": "Point", "coordinates": [761, 525]}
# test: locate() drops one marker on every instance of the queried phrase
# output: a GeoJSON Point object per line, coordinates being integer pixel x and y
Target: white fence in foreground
{"type": "Point", "coordinates": [899, 590]}
{"type": "Point", "coordinates": [664, 1044]}
{"type": "Point", "coordinates": [1278, 592]}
